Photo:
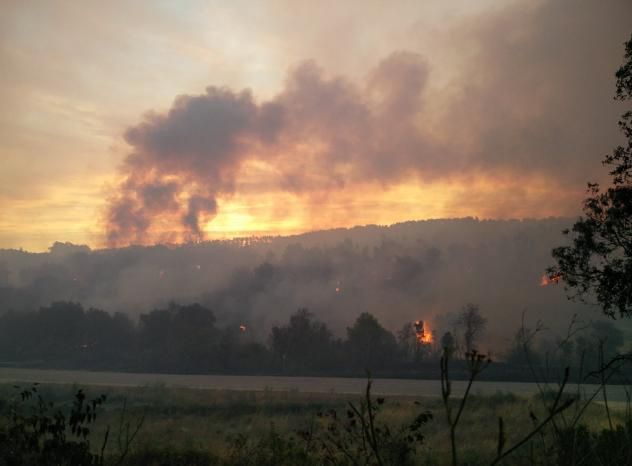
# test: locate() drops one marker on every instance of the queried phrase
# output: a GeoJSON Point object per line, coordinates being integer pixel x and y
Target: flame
{"type": "Point", "coordinates": [546, 279]}
{"type": "Point", "coordinates": [242, 328]}
{"type": "Point", "coordinates": [423, 333]}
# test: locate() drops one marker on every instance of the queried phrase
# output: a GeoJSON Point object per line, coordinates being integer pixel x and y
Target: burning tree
{"type": "Point", "coordinates": [415, 340]}
{"type": "Point", "coordinates": [423, 333]}
{"type": "Point", "coordinates": [599, 260]}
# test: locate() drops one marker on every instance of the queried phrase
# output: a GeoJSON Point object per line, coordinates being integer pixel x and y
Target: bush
{"type": "Point", "coordinates": [271, 450]}
{"type": "Point", "coordinates": [580, 447]}
{"type": "Point", "coordinates": [163, 457]}
{"type": "Point", "coordinates": [42, 438]}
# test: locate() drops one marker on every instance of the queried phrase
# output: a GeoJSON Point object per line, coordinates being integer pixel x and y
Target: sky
{"type": "Point", "coordinates": [169, 121]}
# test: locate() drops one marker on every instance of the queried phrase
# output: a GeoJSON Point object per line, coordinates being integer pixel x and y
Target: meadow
{"type": "Point", "coordinates": [178, 425]}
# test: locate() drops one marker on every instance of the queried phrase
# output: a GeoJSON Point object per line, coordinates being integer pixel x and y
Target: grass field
{"type": "Point", "coordinates": [211, 421]}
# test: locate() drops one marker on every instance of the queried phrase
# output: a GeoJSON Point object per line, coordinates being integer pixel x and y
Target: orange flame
{"type": "Point", "coordinates": [546, 279]}
{"type": "Point", "coordinates": [423, 333]}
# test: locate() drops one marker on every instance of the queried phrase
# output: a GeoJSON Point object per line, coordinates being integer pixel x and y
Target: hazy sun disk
{"type": "Point", "coordinates": [277, 212]}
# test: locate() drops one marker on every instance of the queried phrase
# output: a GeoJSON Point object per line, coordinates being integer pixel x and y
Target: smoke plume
{"type": "Point", "coordinates": [319, 132]}
{"type": "Point", "coordinates": [532, 102]}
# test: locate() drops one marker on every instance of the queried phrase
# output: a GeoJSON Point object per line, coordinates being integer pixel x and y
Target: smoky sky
{"type": "Point", "coordinates": [531, 96]}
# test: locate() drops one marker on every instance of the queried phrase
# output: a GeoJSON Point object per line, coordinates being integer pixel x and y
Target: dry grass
{"type": "Point", "coordinates": [207, 420]}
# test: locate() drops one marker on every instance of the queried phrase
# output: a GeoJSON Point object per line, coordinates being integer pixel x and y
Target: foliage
{"type": "Point", "coordinates": [180, 336]}
{"type": "Point", "coordinates": [219, 428]}
{"type": "Point", "coordinates": [370, 345]}
{"type": "Point", "coordinates": [64, 334]}
{"type": "Point", "coordinates": [599, 260]}
{"type": "Point", "coordinates": [476, 362]}
{"type": "Point", "coordinates": [47, 436]}
{"type": "Point", "coordinates": [578, 446]}
{"type": "Point", "coordinates": [359, 437]}
{"type": "Point", "coordinates": [273, 449]}
{"type": "Point", "coordinates": [303, 343]}
{"type": "Point", "coordinates": [473, 325]}
{"type": "Point", "coordinates": [411, 349]}
{"type": "Point", "coordinates": [447, 342]}
{"type": "Point", "coordinates": [186, 339]}
{"type": "Point", "coordinates": [167, 457]}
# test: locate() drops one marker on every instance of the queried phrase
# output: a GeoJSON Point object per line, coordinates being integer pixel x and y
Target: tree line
{"type": "Point", "coordinates": [188, 339]}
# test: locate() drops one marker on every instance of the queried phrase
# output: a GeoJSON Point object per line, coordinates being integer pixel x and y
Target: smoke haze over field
{"type": "Point", "coordinates": [415, 270]}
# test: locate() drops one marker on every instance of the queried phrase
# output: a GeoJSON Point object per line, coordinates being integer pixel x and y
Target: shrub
{"type": "Point", "coordinates": [47, 436]}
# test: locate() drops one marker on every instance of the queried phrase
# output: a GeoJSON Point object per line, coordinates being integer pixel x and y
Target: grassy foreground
{"type": "Point", "coordinates": [189, 426]}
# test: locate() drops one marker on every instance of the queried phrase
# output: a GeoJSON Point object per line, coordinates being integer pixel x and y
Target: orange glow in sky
{"type": "Point", "coordinates": [383, 115]}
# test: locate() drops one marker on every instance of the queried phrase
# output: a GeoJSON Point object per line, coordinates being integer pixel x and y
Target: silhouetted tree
{"type": "Point", "coordinates": [410, 348]}
{"type": "Point", "coordinates": [370, 345]}
{"type": "Point", "coordinates": [447, 342]}
{"type": "Point", "coordinates": [237, 353]}
{"type": "Point", "coordinates": [107, 340]}
{"type": "Point", "coordinates": [473, 325]}
{"type": "Point", "coordinates": [59, 330]}
{"type": "Point", "coordinates": [407, 342]}
{"type": "Point", "coordinates": [609, 335]}
{"type": "Point", "coordinates": [599, 260]}
{"type": "Point", "coordinates": [601, 337]}
{"type": "Point", "coordinates": [194, 338]}
{"type": "Point", "coordinates": [154, 333]}
{"type": "Point", "coordinates": [522, 351]}
{"type": "Point", "coordinates": [303, 343]}
{"type": "Point", "coordinates": [181, 338]}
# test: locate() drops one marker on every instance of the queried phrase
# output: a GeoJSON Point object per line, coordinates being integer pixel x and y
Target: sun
{"type": "Point", "coordinates": [232, 224]}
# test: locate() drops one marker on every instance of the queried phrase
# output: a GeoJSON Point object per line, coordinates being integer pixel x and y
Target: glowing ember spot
{"type": "Point", "coordinates": [423, 333]}
{"type": "Point", "coordinates": [338, 287]}
{"type": "Point", "coordinates": [546, 279]}
{"type": "Point", "coordinates": [242, 328]}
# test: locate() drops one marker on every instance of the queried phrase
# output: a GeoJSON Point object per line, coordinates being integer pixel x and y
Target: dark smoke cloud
{"type": "Point", "coordinates": [319, 133]}
{"type": "Point", "coordinates": [534, 98]}
{"type": "Point", "coordinates": [185, 158]}
{"type": "Point", "coordinates": [198, 205]}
